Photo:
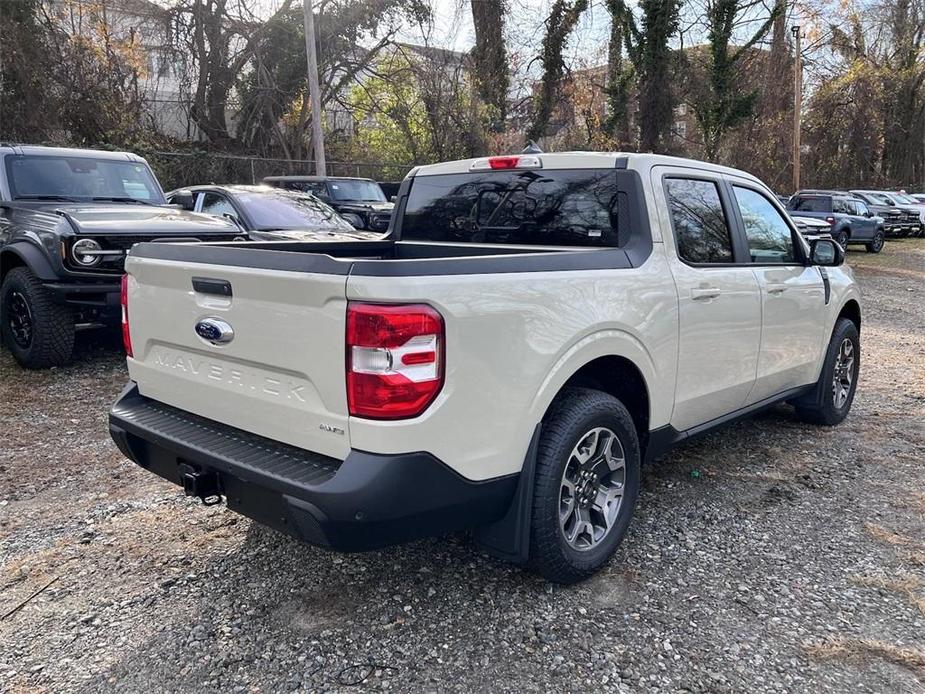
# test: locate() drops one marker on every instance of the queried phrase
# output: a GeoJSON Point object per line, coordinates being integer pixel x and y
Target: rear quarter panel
{"type": "Point", "coordinates": [512, 341]}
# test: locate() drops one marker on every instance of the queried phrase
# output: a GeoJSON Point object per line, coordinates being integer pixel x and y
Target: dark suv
{"type": "Point", "coordinates": [67, 219]}
{"type": "Point", "coordinates": [358, 200]}
{"type": "Point", "coordinates": [849, 218]}
{"type": "Point", "coordinates": [910, 218]}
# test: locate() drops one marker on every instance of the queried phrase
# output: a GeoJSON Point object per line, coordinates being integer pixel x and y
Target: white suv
{"type": "Point", "coordinates": [531, 330]}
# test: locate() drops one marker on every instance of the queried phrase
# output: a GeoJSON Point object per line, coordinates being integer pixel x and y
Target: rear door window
{"type": "Point", "coordinates": [700, 224]}
{"type": "Point", "coordinates": [560, 207]}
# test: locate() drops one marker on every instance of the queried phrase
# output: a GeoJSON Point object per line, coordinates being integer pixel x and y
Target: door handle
{"type": "Point", "coordinates": [777, 288]}
{"type": "Point", "coordinates": [705, 293]}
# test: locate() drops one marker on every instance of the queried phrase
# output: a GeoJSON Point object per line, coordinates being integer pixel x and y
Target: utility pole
{"type": "Point", "coordinates": [314, 91]}
{"type": "Point", "coordinates": [797, 103]}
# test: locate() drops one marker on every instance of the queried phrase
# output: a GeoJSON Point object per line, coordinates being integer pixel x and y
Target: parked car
{"type": "Point", "coordinates": [358, 200]}
{"type": "Point", "coordinates": [919, 197]}
{"type": "Point", "coordinates": [530, 331]}
{"type": "Point", "coordinates": [911, 216]}
{"type": "Point", "coordinates": [850, 221]}
{"type": "Point", "coordinates": [67, 218]}
{"type": "Point", "coordinates": [910, 200]}
{"type": "Point", "coordinates": [893, 218]}
{"type": "Point", "coordinates": [269, 214]}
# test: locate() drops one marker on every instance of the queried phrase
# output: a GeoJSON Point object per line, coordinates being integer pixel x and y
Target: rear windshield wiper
{"type": "Point", "coordinates": [56, 198]}
{"type": "Point", "coordinates": [117, 198]}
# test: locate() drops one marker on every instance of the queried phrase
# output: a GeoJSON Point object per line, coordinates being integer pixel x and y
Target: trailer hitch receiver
{"type": "Point", "coordinates": [201, 484]}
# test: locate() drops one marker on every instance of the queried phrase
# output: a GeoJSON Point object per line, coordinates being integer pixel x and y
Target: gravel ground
{"type": "Point", "coordinates": [771, 556]}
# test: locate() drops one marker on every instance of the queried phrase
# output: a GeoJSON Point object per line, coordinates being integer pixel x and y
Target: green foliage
{"type": "Point", "coordinates": [648, 49]}
{"type": "Point", "coordinates": [415, 111]}
{"type": "Point", "coordinates": [723, 105]}
{"type": "Point", "coordinates": [58, 84]}
{"type": "Point", "coordinates": [489, 57]}
{"type": "Point", "coordinates": [562, 19]}
{"type": "Point", "coordinates": [274, 106]}
{"type": "Point", "coordinates": [23, 66]}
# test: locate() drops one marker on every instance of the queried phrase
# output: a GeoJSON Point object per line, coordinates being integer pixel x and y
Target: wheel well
{"type": "Point", "coordinates": [852, 311]}
{"type": "Point", "coordinates": [621, 378]}
{"type": "Point", "coordinates": [8, 261]}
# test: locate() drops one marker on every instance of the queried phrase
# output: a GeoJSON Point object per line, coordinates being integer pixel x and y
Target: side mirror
{"type": "Point", "coordinates": [826, 252]}
{"type": "Point", "coordinates": [393, 198]}
{"type": "Point", "coordinates": [868, 214]}
{"type": "Point", "coordinates": [185, 199]}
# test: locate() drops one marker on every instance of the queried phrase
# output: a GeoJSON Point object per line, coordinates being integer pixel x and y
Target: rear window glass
{"type": "Point", "coordinates": [555, 208]}
{"type": "Point", "coordinates": [811, 204]}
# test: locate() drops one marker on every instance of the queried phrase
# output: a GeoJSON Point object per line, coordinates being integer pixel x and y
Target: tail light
{"type": "Point", "coordinates": [126, 335]}
{"type": "Point", "coordinates": [395, 359]}
{"type": "Point", "coordinates": [830, 220]}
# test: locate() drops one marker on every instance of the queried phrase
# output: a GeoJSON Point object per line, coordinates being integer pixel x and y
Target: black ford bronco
{"type": "Point", "coordinates": [67, 217]}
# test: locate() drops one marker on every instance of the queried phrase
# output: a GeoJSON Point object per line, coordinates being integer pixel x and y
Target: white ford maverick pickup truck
{"type": "Point", "coordinates": [530, 331]}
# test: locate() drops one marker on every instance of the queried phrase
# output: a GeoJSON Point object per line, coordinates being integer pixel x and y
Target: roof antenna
{"type": "Point", "coordinates": [531, 148]}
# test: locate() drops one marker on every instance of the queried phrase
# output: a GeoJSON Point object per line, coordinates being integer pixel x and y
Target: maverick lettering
{"type": "Point", "coordinates": [231, 375]}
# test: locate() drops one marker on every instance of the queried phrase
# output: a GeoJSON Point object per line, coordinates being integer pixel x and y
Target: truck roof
{"type": "Point", "coordinates": [586, 160]}
{"type": "Point", "coordinates": [40, 151]}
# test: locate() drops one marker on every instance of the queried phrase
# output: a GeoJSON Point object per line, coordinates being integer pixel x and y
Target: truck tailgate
{"type": "Point", "coordinates": [280, 376]}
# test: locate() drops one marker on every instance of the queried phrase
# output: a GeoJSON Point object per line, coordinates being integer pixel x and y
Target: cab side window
{"type": "Point", "coordinates": [213, 203]}
{"type": "Point", "coordinates": [700, 225]}
{"type": "Point", "coordinates": [770, 240]}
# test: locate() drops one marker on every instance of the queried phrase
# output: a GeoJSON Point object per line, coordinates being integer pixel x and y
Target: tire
{"type": "Point", "coordinates": [830, 401]}
{"type": "Point", "coordinates": [48, 340]}
{"type": "Point", "coordinates": [875, 245]}
{"type": "Point", "coordinates": [841, 238]}
{"type": "Point", "coordinates": [573, 419]}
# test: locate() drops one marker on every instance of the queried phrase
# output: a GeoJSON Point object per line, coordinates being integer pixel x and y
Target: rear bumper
{"type": "Point", "coordinates": [364, 502]}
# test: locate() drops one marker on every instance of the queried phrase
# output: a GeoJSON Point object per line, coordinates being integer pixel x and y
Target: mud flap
{"type": "Point", "coordinates": [509, 537]}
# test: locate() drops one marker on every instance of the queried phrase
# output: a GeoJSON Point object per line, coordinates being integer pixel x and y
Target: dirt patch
{"type": "Point", "coordinates": [769, 556]}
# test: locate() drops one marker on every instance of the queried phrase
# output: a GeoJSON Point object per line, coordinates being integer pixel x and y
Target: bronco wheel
{"type": "Point", "coordinates": [875, 245]}
{"type": "Point", "coordinates": [830, 401]}
{"type": "Point", "coordinates": [587, 480]}
{"type": "Point", "coordinates": [39, 332]}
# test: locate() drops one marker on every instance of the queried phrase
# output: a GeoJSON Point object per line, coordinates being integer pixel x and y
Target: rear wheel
{"type": "Point", "coordinates": [875, 245]}
{"type": "Point", "coordinates": [830, 401]}
{"type": "Point", "coordinates": [587, 481]}
{"type": "Point", "coordinates": [39, 332]}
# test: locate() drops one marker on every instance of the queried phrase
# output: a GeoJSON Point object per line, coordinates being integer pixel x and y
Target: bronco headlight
{"type": "Point", "coordinates": [86, 252]}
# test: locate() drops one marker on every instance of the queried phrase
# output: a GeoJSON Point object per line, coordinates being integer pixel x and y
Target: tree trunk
{"type": "Point", "coordinates": [491, 72]}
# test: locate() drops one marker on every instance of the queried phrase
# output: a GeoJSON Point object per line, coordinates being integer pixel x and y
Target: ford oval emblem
{"type": "Point", "coordinates": [215, 331]}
